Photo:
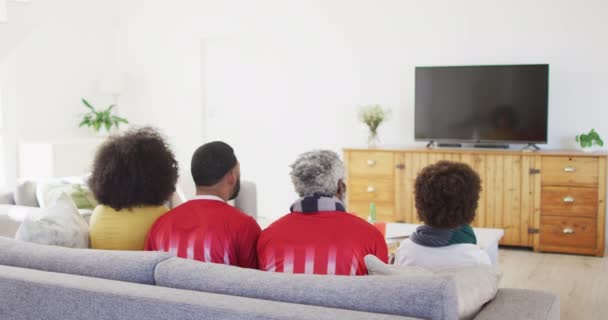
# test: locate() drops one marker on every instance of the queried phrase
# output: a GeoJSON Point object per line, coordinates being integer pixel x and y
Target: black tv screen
{"type": "Point", "coordinates": [482, 104]}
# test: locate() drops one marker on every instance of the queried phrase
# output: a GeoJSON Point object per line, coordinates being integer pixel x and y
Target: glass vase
{"type": "Point", "coordinates": [373, 141]}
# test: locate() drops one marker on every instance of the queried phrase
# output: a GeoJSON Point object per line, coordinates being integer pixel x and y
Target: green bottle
{"type": "Point", "coordinates": [372, 212]}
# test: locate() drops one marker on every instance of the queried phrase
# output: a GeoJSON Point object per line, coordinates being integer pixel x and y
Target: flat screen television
{"type": "Point", "coordinates": [482, 104]}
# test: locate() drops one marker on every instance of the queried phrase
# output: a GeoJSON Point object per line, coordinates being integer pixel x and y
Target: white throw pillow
{"type": "Point", "coordinates": [59, 224]}
{"type": "Point", "coordinates": [375, 266]}
{"type": "Point", "coordinates": [48, 191]}
{"type": "Point", "coordinates": [475, 286]}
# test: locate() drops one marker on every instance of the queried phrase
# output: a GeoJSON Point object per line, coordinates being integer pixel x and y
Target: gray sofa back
{"type": "Point", "coordinates": [419, 297]}
{"type": "Point", "coordinates": [82, 284]}
{"type": "Point", "coordinates": [31, 294]}
{"type": "Point", "coordinates": [127, 266]}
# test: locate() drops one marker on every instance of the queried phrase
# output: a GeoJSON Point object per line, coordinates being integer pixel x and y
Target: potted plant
{"type": "Point", "coordinates": [102, 121]}
{"type": "Point", "coordinates": [373, 115]}
{"type": "Point", "coordinates": [590, 142]}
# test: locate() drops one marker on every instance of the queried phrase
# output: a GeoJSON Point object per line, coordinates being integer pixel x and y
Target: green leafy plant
{"type": "Point", "coordinates": [590, 139]}
{"type": "Point", "coordinates": [100, 119]}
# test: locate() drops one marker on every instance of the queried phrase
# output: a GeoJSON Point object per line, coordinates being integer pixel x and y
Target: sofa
{"type": "Point", "coordinates": [16, 204]}
{"type": "Point", "coordinates": [47, 282]}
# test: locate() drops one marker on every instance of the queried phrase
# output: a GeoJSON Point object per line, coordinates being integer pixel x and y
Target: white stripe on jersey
{"type": "Point", "coordinates": [309, 264]}
{"type": "Point", "coordinates": [271, 265]}
{"type": "Point", "coordinates": [288, 261]}
{"type": "Point", "coordinates": [353, 266]}
{"type": "Point", "coordinates": [190, 249]}
{"type": "Point", "coordinates": [207, 248]}
{"type": "Point", "coordinates": [226, 254]}
{"type": "Point", "coordinates": [331, 260]}
{"type": "Point", "coordinates": [173, 246]}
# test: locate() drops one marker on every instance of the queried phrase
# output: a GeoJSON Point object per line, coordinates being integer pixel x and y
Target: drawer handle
{"type": "Point", "coordinates": [371, 189]}
{"type": "Point", "coordinates": [569, 169]}
{"type": "Point", "coordinates": [569, 199]}
{"type": "Point", "coordinates": [371, 163]}
{"type": "Point", "coordinates": [568, 231]}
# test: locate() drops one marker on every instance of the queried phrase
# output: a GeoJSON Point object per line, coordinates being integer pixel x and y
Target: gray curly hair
{"type": "Point", "coordinates": [317, 172]}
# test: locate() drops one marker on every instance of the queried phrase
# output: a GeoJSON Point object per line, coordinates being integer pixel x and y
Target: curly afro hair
{"type": "Point", "coordinates": [134, 169]}
{"type": "Point", "coordinates": [447, 194]}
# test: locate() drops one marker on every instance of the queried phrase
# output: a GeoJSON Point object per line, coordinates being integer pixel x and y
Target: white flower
{"type": "Point", "coordinates": [373, 115]}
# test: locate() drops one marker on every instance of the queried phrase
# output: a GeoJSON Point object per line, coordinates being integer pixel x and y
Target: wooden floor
{"type": "Point", "coordinates": [581, 282]}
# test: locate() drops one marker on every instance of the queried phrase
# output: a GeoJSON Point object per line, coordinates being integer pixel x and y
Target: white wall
{"type": "Point", "coordinates": [162, 57]}
{"type": "Point", "coordinates": [48, 69]}
{"type": "Point", "coordinates": [281, 77]}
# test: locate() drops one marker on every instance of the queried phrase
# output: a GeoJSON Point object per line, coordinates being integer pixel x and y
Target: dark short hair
{"type": "Point", "coordinates": [211, 162]}
{"type": "Point", "coordinates": [134, 169]}
{"type": "Point", "coordinates": [447, 194]}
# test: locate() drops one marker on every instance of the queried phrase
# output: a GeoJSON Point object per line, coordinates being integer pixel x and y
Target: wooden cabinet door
{"type": "Point", "coordinates": [409, 165]}
{"type": "Point", "coordinates": [404, 191]}
{"type": "Point", "coordinates": [507, 197]}
{"type": "Point", "coordinates": [478, 163]}
{"type": "Point", "coordinates": [531, 188]}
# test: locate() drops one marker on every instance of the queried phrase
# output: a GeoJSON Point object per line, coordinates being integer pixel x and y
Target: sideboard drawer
{"type": "Point", "coordinates": [384, 211]}
{"type": "Point", "coordinates": [363, 163]}
{"type": "Point", "coordinates": [581, 171]}
{"type": "Point", "coordinates": [571, 201]}
{"type": "Point", "coordinates": [371, 189]}
{"type": "Point", "coordinates": [568, 232]}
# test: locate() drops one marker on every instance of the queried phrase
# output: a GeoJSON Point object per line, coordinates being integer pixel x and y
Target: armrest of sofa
{"type": "Point", "coordinates": [247, 201]}
{"type": "Point", "coordinates": [11, 217]}
{"type": "Point", "coordinates": [7, 196]}
{"type": "Point", "coordinates": [521, 304]}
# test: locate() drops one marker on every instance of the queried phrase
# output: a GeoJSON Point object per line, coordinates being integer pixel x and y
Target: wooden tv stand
{"type": "Point", "coordinates": [552, 201]}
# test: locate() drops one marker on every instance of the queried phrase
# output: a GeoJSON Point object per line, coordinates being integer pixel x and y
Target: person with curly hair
{"type": "Point", "coordinates": [319, 236]}
{"type": "Point", "coordinates": [134, 175]}
{"type": "Point", "coordinates": [207, 228]}
{"type": "Point", "coordinates": [446, 196]}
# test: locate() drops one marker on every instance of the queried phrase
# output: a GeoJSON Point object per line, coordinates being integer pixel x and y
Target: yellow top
{"type": "Point", "coordinates": [126, 229]}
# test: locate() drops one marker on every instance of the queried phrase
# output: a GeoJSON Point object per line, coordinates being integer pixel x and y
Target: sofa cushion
{"type": "Point", "coordinates": [475, 286]}
{"type": "Point", "coordinates": [47, 192]}
{"type": "Point", "coordinates": [421, 297]}
{"type": "Point", "coordinates": [377, 267]}
{"type": "Point", "coordinates": [127, 266]}
{"type": "Point", "coordinates": [59, 224]}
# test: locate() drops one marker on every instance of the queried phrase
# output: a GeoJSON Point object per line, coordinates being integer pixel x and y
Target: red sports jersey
{"type": "Point", "coordinates": [209, 231]}
{"type": "Point", "coordinates": [330, 242]}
